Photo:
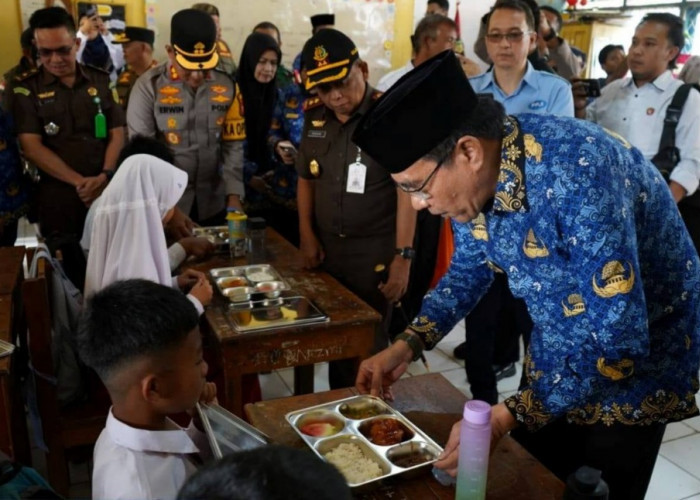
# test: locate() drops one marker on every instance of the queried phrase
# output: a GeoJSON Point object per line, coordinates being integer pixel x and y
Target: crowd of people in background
{"type": "Point", "coordinates": [117, 156]}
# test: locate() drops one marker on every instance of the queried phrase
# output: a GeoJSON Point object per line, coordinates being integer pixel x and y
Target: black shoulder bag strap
{"type": "Point", "coordinates": [673, 115]}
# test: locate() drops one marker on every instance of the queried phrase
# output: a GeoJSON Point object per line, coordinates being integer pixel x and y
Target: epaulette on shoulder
{"type": "Point", "coordinates": [26, 74]}
{"type": "Point", "coordinates": [376, 95]}
{"type": "Point", "coordinates": [96, 68]}
{"type": "Point", "coordinates": [312, 102]}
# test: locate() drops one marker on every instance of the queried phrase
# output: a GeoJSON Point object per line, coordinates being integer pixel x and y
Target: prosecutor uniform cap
{"type": "Point", "coordinates": [328, 57]}
{"type": "Point", "coordinates": [135, 34]}
{"type": "Point", "coordinates": [435, 94]}
{"type": "Point", "coordinates": [193, 39]}
{"type": "Point", "coordinates": [322, 20]}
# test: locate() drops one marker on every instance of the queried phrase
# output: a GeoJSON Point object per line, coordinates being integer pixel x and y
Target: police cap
{"type": "Point", "coordinates": [322, 20]}
{"type": "Point", "coordinates": [328, 57]}
{"type": "Point", "coordinates": [135, 34]}
{"type": "Point", "coordinates": [433, 99]}
{"type": "Point", "coordinates": [193, 39]}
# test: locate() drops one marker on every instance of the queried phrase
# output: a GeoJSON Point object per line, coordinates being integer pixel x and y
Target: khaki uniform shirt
{"type": "Point", "coordinates": [65, 117]}
{"type": "Point", "coordinates": [126, 81]}
{"type": "Point", "coordinates": [325, 153]}
{"type": "Point", "coordinates": [204, 128]}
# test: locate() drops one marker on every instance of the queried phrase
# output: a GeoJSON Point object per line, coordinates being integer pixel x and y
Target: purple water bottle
{"type": "Point", "coordinates": [474, 447]}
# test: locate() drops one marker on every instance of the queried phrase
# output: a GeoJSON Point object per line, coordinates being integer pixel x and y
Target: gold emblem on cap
{"type": "Point", "coordinates": [199, 48]}
{"type": "Point", "coordinates": [92, 91]}
{"type": "Point", "coordinates": [320, 56]}
{"type": "Point", "coordinates": [314, 168]}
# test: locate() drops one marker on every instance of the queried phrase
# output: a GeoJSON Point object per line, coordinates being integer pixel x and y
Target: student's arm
{"type": "Point", "coordinates": [311, 249]}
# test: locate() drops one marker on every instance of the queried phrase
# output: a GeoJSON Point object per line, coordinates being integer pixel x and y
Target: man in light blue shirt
{"type": "Point", "coordinates": [513, 81]}
{"type": "Point", "coordinates": [494, 326]}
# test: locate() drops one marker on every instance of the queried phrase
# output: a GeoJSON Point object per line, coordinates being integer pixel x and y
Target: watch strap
{"type": "Point", "coordinates": [406, 252]}
{"type": "Point", "coordinates": [413, 342]}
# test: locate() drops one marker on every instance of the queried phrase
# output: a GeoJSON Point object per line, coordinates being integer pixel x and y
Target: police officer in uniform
{"type": "Point", "coordinates": [351, 216]}
{"type": "Point", "coordinates": [138, 55]}
{"type": "Point", "coordinates": [70, 126]}
{"type": "Point", "coordinates": [198, 111]}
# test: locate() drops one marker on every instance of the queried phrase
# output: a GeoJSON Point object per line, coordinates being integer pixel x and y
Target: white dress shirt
{"type": "Point", "coordinates": [139, 464]}
{"type": "Point", "coordinates": [391, 78]}
{"type": "Point", "coordinates": [637, 114]}
{"type": "Point", "coordinates": [116, 52]}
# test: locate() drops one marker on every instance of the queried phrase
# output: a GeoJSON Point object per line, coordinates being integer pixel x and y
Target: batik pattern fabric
{"type": "Point", "coordinates": [588, 234]}
{"type": "Point", "coordinates": [14, 186]}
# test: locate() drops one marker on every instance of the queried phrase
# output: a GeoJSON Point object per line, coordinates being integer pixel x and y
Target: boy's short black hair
{"type": "Point", "coordinates": [606, 51]}
{"type": "Point", "coordinates": [142, 145]}
{"type": "Point", "coordinates": [268, 473]}
{"type": "Point", "coordinates": [130, 319]}
{"type": "Point", "coordinates": [52, 17]}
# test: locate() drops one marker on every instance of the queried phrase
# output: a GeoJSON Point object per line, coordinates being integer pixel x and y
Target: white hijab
{"type": "Point", "coordinates": [127, 238]}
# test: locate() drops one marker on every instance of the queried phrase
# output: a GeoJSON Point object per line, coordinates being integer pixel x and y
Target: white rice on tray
{"type": "Point", "coordinates": [353, 464]}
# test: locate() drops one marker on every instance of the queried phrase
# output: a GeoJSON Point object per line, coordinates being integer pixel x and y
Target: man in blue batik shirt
{"type": "Point", "coordinates": [580, 223]}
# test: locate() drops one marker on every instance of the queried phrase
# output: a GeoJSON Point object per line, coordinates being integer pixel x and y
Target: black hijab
{"type": "Point", "coordinates": [258, 98]}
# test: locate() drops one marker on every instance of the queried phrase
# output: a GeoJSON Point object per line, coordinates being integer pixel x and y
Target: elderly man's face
{"type": "Point", "coordinates": [457, 187]}
{"type": "Point", "coordinates": [345, 96]}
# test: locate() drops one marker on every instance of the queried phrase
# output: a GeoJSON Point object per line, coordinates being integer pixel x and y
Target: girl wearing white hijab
{"type": "Point", "coordinates": [127, 238]}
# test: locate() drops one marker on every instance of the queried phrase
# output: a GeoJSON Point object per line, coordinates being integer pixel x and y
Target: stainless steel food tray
{"type": "Point", "coordinates": [227, 433]}
{"type": "Point", "coordinates": [273, 313]}
{"type": "Point", "coordinates": [248, 283]}
{"type": "Point", "coordinates": [354, 430]}
{"type": "Point", "coordinates": [218, 235]}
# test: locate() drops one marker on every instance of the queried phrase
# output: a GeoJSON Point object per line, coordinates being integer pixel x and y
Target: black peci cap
{"type": "Point", "coordinates": [134, 34]}
{"type": "Point", "coordinates": [193, 38]}
{"type": "Point", "coordinates": [87, 10]}
{"type": "Point", "coordinates": [435, 94]}
{"type": "Point", "coordinates": [328, 57]}
{"type": "Point", "coordinates": [322, 20]}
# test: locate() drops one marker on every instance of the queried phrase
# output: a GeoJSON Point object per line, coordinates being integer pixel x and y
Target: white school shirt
{"type": "Point", "coordinates": [391, 78]}
{"type": "Point", "coordinates": [637, 114]}
{"type": "Point", "coordinates": [133, 464]}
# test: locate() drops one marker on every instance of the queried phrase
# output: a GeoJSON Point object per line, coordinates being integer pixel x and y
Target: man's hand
{"type": "Point", "coordinates": [284, 150]}
{"type": "Point", "coordinates": [197, 246]}
{"type": "Point", "coordinates": [234, 201]}
{"type": "Point", "coordinates": [397, 283]}
{"type": "Point", "coordinates": [312, 253]}
{"type": "Point", "coordinates": [502, 422]}
{"type": "Point", "coordinates": [259, 184]}
{"type": "Point", "coordinates": [579, 91]}
{"type": "Point", "coordinates": [90, 188]}
{"type": "Point", "coordinates": [677, 191]}
{"type": "Point", "coordinates": [378, 373]}
{"type": "Point", "coordinates": [180, 225]}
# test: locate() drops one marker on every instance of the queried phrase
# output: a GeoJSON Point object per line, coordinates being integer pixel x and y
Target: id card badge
{"type": "Point", "coordinates": [357, 172]}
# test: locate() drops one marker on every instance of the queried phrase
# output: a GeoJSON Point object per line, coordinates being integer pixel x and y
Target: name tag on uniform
{"type": "Point", "coordinates": [316, 134]}
{"type": "Point", "coordinates": [357, 172]}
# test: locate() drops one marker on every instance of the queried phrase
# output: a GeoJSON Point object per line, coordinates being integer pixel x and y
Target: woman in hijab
{"type": "Point", "coordinates": [256, 78]}
{"type": "Point", "coordinates": [127, 238]}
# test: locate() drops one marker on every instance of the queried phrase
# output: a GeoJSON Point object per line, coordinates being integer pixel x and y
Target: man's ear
{"type": "Point", "coordinates": [364, 68]}
{"type": "Point", "coordinates": [470, 151]}
{"type": "Point", "coordinates": [78, 41]}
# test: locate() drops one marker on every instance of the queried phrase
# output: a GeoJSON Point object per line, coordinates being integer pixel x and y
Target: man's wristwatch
{"type": "Point", "coordinates": [414, 343]}
{"type": "Point", "coordinates": [108, 173]}
{"type": "Point", "coordinates": [407, 253]}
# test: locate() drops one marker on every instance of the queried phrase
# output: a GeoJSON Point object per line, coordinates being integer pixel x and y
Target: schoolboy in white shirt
{"type": "Point", "coordinates": [143, 341]}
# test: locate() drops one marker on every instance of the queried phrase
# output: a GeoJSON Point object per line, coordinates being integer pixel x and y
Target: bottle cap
{"type": "Point", "coordinates": [477, 412]}
{"type": "Point", "coordinates": [256, 223]}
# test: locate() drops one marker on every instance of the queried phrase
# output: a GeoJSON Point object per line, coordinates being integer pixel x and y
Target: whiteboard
{"type": "Point", "coordinates": [369, 23]}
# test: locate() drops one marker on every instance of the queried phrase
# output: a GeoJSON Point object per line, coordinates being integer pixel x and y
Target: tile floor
{"type": "Point", "coordinates": [677, 472]}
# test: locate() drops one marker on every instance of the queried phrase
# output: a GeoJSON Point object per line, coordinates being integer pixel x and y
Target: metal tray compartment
{"type": "Point", "coordinates": [218, 235]}
{"type": "Point", "coordinates": [227, 278]}
{"type": "Point", "coordinates": [411, 452]}
{"type": "Point", "coordinates": [270, 314]}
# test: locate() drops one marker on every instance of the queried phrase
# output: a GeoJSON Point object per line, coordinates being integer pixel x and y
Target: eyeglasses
{"type": "Point", "coordinates": [419, 192]}
{"type": "Point", "coordinates": [512, 37]}
{"type": "Point", "coordinates": [61, 51]}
